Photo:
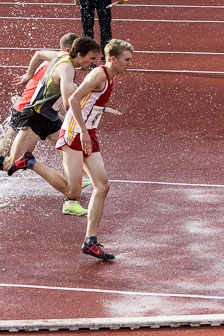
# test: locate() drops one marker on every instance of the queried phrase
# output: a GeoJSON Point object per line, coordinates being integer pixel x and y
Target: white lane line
{"type": "Point", "coordinates": [173, 6]}
{"type": "Point", "coordinates": [37, 3]}
{"type": "Point", "coordinates": [125, 5]}
{"type": "Point", "coordinates": [178, 71]}
{"type": "Point", "coordinates": [173, 52]}
{"type": "Point", "coordinates": [171, 183]}
{"type": "Point", "coordinates": [22, 48]}
{"type": "Point", "coordinates": [204, 185]}
{"type": "Point", "coordinates": [140, 70]}
{"type": "Point", "coordinates": [174, 21]}
{"type": "Point", "coordinates": [107, 291]}
{"type": "Point", "coordinates": [38, 18]}
{"type": "Point", "coordinates": [116, 20]}
{"type": "Point", "coordinates": [136, 51]}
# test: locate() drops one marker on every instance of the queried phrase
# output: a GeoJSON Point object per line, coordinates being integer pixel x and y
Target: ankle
{"type": "Point", "coordinates": [91, 240]}
{"type": "Point", "coordinates": [69, 200]}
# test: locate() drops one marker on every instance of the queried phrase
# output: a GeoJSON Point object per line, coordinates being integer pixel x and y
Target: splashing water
{"type": "Point", "coordinates": [5, 125]}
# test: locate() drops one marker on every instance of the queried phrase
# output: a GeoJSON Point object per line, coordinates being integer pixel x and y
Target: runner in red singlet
{"type": "Point", "coordinates": [17, 109]}
{"type": "Point", "coordinates": [34, 74]}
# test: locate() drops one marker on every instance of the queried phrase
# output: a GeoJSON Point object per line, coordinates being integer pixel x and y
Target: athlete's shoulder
{"type": "Point", "coordinates": [98, 73]}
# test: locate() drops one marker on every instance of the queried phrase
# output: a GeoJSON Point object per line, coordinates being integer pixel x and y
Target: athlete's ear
{"type": "Point", "coordinates": [113, 59]}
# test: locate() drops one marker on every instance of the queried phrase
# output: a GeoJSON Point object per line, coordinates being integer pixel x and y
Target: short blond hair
{"type": "Point", "coordinates": [115, 48]}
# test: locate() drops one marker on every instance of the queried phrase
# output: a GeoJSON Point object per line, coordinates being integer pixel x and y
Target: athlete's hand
{"type": "Point", "coordinates": [110, 110]}
{"type": "Point", "coordinates": [86, 142]}
{"type": "Point", "coordinates": [20, 80]}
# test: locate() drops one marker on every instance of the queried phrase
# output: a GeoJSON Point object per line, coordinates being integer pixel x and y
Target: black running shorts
{"type": "Point", "coordinates": [14, 119]}
{"type": "Point", "coordinates": [39, 124]}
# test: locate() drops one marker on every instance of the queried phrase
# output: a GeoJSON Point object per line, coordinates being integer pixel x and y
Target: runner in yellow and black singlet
{"type": "Point", "coordinates": [47, 97]}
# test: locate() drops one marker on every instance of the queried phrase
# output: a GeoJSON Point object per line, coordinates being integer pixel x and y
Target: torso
{"type": "Point", "coordinates": [30, 88]}
{"type": "Point", "coordinates": [47, 97]}
{"type": "Point", "coordinates": [91, 108]}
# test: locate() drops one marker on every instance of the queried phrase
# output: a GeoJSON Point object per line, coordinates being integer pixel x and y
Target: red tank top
{"type": "Point", "coordinates": [30, 89]}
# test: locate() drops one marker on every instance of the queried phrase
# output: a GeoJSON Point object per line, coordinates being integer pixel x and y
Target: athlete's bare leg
{"type": "Point", "coordinates": [94, 167]}
{"type": "Point", "coordinates": [53, 138]}
{"type": "Point", "coordinates": [6, 143]}
{"type": "Point", "coordinates": [71, 184]}
{"type": "Point", "coordinates": [25, 140]}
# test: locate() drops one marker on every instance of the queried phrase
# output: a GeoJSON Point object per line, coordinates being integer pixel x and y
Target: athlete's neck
{"type": "Point", "coordinates": [110, 70]}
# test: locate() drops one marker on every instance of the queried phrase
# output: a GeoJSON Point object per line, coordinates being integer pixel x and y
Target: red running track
{"type": "Point", "coordinates": [167, 238]}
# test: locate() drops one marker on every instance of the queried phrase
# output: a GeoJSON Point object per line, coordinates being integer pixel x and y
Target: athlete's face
{"type": "Point", "coordinates": [88, 59]}
{"type": "Point", "coordinates": [123, 61]}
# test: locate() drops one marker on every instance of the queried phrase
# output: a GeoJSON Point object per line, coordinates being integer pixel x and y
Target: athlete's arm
{"type": "Point", "coordinates": [62, 112]}
{"type": "Point", "coordinates": [110, 110]}
{"type": "Point", "coordinates": [36, 60]}
{"type": "Point", "coordinates": [94, 81]}
{"type": "Point", "coordinates": [65, 73]}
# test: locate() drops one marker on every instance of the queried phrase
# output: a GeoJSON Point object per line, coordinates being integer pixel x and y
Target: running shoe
{"type": "Point", "coordinates": [27, 160]}
{"type": "Point", "coordinates": [85, 183]}
{"type": "Point", "coordinates": [96, 251]}
{"type": "Point", "coordinates": [74, 209]}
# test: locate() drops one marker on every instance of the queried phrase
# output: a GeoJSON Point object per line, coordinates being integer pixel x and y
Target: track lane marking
{"type": "Point", "coordinates": [107, 291]}
{"type": "Point", "coordinates": [135, 51]}
{"type": "Point", "coordinates": [126, 5]}
{"type": "Point", "coordinates": [115, 20]}
{"type": "Point", "coordinates": [138, 70]}
{"type": "Point", "coordinates": [205, 185]}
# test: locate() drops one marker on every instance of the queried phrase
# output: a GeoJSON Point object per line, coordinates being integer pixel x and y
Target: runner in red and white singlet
{"type": "Point", "coordinates": [92, 107]}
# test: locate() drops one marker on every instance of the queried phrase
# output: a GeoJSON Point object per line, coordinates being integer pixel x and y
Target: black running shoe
{"type": "Point", "coordinates": [96, 251]}
{"type": "Point", "coordinates": [27, 160]}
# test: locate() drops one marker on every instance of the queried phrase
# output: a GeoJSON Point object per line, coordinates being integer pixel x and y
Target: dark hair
{"type": "Point", "coordinates": [67, 40]}
{"type": "Point", "coordinates": [83, 45]}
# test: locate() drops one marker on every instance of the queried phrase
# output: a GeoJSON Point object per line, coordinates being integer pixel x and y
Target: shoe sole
{"type": "Point", "coordinates": [11, 171]}
{"type": "Point", "coordinates": [73, 214]}
{"type": "Point", "coordinates": [98, 257]}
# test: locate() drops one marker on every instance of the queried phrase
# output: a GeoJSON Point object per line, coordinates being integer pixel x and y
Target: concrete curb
{"type": "Point", "coordinates": [112, 323]}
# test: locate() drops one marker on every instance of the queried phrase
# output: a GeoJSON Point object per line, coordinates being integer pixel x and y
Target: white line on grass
{"type": "Point", "coordinates": [105, 291]}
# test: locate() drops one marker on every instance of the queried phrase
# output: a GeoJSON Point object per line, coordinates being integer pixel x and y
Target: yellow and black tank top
{"type": "Point", "coordinates": [47, 99]}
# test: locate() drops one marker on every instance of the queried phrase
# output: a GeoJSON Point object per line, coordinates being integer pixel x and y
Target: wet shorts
{"type": "Point", "coordinates": [39, 124]}
{"type": "Point", "coordinates": [14, 119]}
{"type": "Point", "coordinates": [76, 144]}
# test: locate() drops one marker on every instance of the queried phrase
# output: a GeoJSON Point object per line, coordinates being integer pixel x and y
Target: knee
{"type": "Point", "coordinates": [103, 188]}
{"type": "Point", "coordinates": [72, 194]}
